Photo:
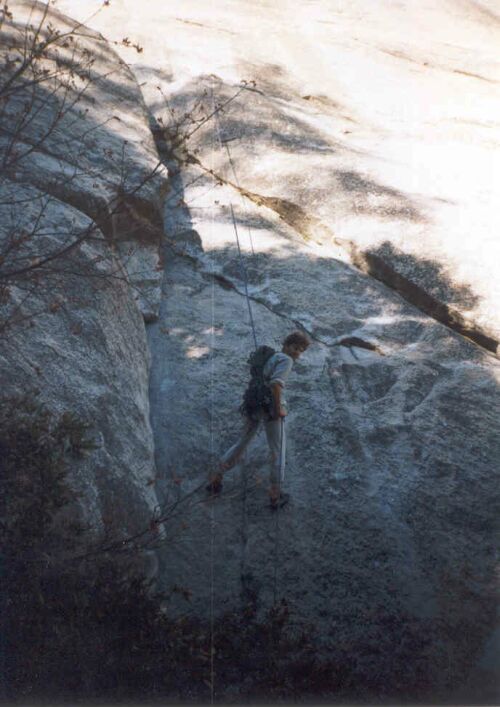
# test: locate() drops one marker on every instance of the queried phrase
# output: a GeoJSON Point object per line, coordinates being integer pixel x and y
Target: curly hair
{"type": "Point", "coordinates": [298, 338]}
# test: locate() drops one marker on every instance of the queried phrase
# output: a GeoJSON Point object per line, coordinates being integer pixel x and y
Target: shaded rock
{"type": "Point", "coordinates": [85, 140]}
{"type": "Point", "coordinates": [80, 231]}
{"type": "Point", "coordinates": [412, 181]}
{"type": "Point", "coordinates": [81, 348]}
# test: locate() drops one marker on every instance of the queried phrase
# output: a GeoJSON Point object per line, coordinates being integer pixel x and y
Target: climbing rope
{"type": "Point", "coordinates": [240, 256]}
{"type": "Point", "coordinates": [282, 420]}
{"type": "Point", "coordinates": [237, 181]}
{"type": "Point", "coordinates": [277, 525]}
{"type": "Point", "coordinates": [212, 511]}
{"type": "Point", "coordinates": [252, 324]}
{"type": "Point", "coordinates": [245, 278]}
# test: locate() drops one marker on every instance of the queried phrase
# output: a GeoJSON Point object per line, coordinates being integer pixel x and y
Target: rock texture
{"type": "Point", "coordinates": [355, 143]}
{"type": "Point", "coordinates": [80, 177]}
{"type": "Point", "coordinates": [388, 543]}
{"type": "Point", "coordinates": [86, 141]}
{"type": "Point", "coordinates": [377, 120]}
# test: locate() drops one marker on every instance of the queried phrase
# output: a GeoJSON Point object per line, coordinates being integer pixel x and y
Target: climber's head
{"type": "Point", "coordinates": [295, 344]}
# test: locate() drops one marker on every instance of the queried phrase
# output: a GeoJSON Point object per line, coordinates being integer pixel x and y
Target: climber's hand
{"type": "Point", "coordinates": [281, 413]}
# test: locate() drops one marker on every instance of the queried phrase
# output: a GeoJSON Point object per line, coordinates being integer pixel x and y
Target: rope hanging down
{"type": "Point", "coordinates": [282, 421]}
{"type": "Point", "coordinates": [277, 526]}
{"type": "Point", "coordinates": [230, 158]}
{"type": "Point", "coordinates": [252, 323]}
{"type": "Point", "coordinates": [245, 280]}
{"type": "Point", "coordinates": [242, 264]}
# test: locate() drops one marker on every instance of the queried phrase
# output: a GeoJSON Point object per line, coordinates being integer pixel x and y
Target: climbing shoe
{"type": "Point", "coordinates": [279, 501]}
{"type": "Point", "coordinates": [214, 487]}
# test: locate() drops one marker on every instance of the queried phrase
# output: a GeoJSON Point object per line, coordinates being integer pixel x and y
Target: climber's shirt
{"type": "Point", "coordinates": [276, 370]}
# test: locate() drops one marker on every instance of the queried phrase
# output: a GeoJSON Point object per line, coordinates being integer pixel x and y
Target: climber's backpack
{"type": "Point", "coordinates": [258, 395]}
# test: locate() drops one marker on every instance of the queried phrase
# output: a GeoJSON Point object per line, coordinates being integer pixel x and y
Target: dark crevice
{"type": "Point", "coordinates": [377, 267]}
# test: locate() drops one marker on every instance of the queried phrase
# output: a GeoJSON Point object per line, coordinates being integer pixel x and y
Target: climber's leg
{"type": "Point", "coordinates": [233, 454]}
{"type": "Point", "coordinates": [276, 439]}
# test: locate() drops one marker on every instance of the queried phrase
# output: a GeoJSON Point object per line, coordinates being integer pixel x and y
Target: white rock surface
{"type": "Point", "coordinates": [380, 119]}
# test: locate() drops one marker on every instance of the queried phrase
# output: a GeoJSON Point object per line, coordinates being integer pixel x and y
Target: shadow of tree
{"type": "Point", "coordinates": [260, 122]}
{"type": "Point", "coordinates": [425, 284]}
{"type": "Point", "coordinates": [254, 116]}
{"type": "Point", "coordinates": [375, 199]}
{"type": "Point", "coordinates": [430, 274]}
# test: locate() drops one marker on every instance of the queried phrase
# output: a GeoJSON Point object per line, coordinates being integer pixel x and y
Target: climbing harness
{"type": "Point", "coordinates": [257, 395]}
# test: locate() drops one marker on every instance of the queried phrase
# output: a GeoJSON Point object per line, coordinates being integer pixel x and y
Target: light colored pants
{"type": "Point", "coordinates": [276, 439]}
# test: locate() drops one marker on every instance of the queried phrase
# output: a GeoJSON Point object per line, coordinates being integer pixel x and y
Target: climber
{"type": "Point", "coordinates": [264, 402]}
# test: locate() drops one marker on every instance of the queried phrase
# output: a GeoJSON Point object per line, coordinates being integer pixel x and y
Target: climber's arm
{"type": "Point", "coordinates": [276, 392]}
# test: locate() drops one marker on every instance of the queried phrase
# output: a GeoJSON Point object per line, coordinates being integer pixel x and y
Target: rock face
{"type": "Point", "coordinates": [81, 193]}
{"type": "Point", "coordinates": [377, 120]}
{"type": "Point", "coordinates": [387, 544]}
{"type": "Point", "coordinates": [84, 139]}
{"type": "Point", "coordinates": [346, 157]}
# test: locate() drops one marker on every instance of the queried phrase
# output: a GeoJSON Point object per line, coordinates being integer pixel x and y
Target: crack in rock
{"type": "Point", "coordinates": [310, 228]}
{"type": "Point", "coordinates": [227, 284]}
